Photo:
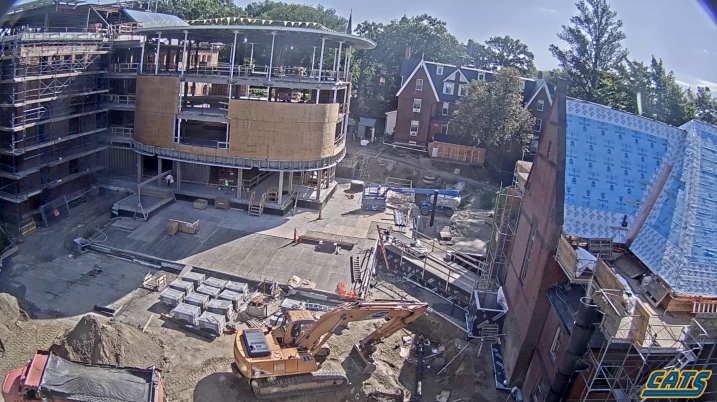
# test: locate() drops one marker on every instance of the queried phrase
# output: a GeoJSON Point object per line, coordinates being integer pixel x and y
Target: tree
{"type": "Point", "coordinates": [199, 9]}
{"type": "Point", "coordinates": [492, 116]}
{"type": "Point", "coordinates": [378, 70]}
{"type": "Point", "coordinates": [504, 51]}
{"type": "Point", "coordinates": [275, 10]}
{"type": "Point", "coordinates": [705, 105]}
{"type": "Point", "coordinates": [594, 44]}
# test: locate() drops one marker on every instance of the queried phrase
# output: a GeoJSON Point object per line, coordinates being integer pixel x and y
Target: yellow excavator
{"type": "Point", "coordinates": [285, 361]}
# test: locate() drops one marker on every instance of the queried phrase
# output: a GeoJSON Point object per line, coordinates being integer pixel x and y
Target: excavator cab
{"type": "Point", "coordinates": [291, 325]}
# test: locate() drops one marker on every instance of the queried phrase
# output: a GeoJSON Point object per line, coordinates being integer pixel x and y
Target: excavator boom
{"type": "Point", "coordinates": [285, 361]}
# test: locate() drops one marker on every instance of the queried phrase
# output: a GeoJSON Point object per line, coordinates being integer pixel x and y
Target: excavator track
{"type": "Point", "coordinates": [300, 384]}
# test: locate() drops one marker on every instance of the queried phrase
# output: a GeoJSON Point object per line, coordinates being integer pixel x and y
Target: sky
{"type": "Point", "coordinates": [680, 32]}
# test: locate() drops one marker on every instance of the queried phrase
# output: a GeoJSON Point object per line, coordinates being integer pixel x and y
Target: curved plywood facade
{"type": "Point", "coordinates": [283, 131]}
{"type": "Point", "coordinates": [157, 105]}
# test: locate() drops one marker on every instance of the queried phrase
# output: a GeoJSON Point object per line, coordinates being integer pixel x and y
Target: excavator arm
{"type": "Point", "coordinates": [398, 315]}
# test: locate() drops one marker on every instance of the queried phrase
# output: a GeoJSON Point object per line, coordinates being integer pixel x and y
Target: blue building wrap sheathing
{"type": "Point", "coordinates": [612, 161]}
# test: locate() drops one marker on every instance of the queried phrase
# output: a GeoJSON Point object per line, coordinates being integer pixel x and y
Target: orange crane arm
{"type": "Point", "coordinates": [398, 314]}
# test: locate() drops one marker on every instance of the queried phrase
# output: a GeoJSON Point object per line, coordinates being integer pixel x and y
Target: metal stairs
{"type": "Point", "coordinates": [256, 208]}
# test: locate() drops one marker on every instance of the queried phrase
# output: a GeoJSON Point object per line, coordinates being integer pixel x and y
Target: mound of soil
{"type": "Point", "coordinates": [10, 314]}
{"type": "Point", "coordinates": [97, 340]}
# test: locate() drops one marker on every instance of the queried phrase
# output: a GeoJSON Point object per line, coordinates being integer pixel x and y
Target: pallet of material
{"type": "Point", "coordinates": [231, 296]}
{"type": "Point", "coordinates": [172, 228]}
{"type": "Point", "coordinates": [238, 287]}
{"type": "Point", "coordinates": [212, 322]}
{"type": "Point", "coordinates": [197, 299]}
{"type": "Point", "coordinates": [182, 286]}
{"type": "Point", "coordinates": [194, 277]}
{"type": "Point", "coordinates": [221, 203]}
{"type": "Point", "coordinates": [187, 313]}
{"type": "Point", "coordinates": [200, 203]}
{"type": "Point", "coordinates": [209, 290]}
{"type": "Point", "coordinates": [224, 307]}
{"type": "Point", "coordinates": [290, 304]}
{"type": "Point", "coordinates": [187, 227]}
{"type": "Point", "coordinates": [216, 283]}
{"type": "Point", "coordinates": [171, 297]}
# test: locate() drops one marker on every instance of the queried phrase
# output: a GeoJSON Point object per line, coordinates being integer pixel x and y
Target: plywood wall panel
{"type": "Point", "coordinates": [282, 131]}
{"type": "Point", "coordinates": [157, 105]}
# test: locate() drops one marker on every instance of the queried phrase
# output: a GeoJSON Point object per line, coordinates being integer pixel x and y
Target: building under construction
{"type": "Point", "coordinates": [75, 74]}
{"type": "Point", "coordinates": [606, 265]}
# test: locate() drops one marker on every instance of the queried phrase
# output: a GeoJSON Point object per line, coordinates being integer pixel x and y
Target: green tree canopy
{"type": "Point", "coordinates": [199, 9]}
{"type": "Point", "coordinates": [502, 51]}
{"type": "Point", "coordinates": [276, 10]}
{"type": "Point", "coordinates": [492, 115]}
{"type": "Point", "coordinates": [705, 105]}
{"type": "Point", "coordinates": [594, 45]}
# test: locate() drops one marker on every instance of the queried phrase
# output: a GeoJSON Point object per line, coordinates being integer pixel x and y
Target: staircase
{"type": "Point", "coordinates": [362, 167]}
{"type": "Point", "coordinates": [256, 208]}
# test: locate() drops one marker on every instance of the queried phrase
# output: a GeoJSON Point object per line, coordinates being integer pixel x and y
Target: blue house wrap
{"type": "Point", "coordinates": [612, 161]}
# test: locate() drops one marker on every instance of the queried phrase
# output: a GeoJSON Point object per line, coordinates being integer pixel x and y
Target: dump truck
{"type": "Point", "coordinates": [285, 361]}
{"type": "Point", "coordinates": [50, 378]}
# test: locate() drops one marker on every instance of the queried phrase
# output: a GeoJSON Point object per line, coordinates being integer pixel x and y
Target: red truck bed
{"type": "Point", "coordinates": [61, 380]}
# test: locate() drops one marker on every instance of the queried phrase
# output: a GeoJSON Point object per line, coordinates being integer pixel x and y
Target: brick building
{"type": "Point", "coordinates": [430, 90]}
{"type": "Point", "coordinates": [605, 277]}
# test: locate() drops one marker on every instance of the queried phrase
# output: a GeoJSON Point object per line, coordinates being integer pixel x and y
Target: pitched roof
{"type": "Point", "coordinates": [613, 160]}
{"type": "Point", "coordinates": [153, 20]}
{"type": "Point", "coordinates": [421, 65]}
{"type": "Point", "coordinates": [408, 67]}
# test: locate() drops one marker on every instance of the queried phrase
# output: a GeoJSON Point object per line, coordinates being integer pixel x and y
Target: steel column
{"type": "Point", "coordinates": [156, 55]}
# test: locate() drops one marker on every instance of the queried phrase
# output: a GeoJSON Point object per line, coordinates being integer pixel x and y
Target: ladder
{"type": "Point", "coordinates": [356, 269]}
{"type": "Point", "coordinates": [362, 168]}
{"type": "Point", "coordinates": [256, 208]}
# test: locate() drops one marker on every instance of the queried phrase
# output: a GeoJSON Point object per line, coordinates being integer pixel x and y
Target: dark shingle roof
{"type": "Point", "coordinates": [471, 74]}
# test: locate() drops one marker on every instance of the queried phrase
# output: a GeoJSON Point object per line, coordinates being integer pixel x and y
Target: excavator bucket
{"type": "Point", "coordinates": [362, 360]}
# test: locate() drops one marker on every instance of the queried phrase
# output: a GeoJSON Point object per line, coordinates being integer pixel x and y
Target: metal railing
{"type": "Point", "coordinates": [300, 74]}
{"type": "Point", "coordinates": [204, 143]}
{"type": "Point", "coordinates": [124, 68]}
{"type": "Point", "coordinates": [120, 100]}
{"type": "Point", "coordinates": [122, 132]}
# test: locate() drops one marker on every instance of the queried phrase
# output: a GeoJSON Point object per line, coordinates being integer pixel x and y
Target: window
{"type": "Point", "coordinates": [538, 125]}
{"type": "Point", "coordinates": [448, 88]}
{"type": "Point", "coordinates": [414, 128]}
{"type": "Point", "coordinates": [537, 391]}
{"type": "Point", "coordinates": [541, 105]}
{"type": "Point", "coordinates": [416, 105]}
{"type": "Point", "coordinates": [481, 76]}
{"type": "Point", "coordinates": [534, 147]}
{"type": "Point", "coordinates": [419, 85]}
{"type": "Point", "coordinates": [444, 129]}
{"type": "Point", "coordinates": [412, 143]}
{"type": "Point", "coordinates": [444, 111]}
{"type": "Point", "coordinates": [555, 347]}
{"type": "Point", "coordinates": [528, 250]}
{"type": "Point", "coordinates": [439, 70]}
{"type": "Point", "coordinates": [461, 90]}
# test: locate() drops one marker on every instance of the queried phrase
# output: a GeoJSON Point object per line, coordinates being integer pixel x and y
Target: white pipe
{"type": "Point", "coordinates": [321, 62]}
{"type": "Point", "coordinates": [231, 72]}
{"type": "Point", "coordinates": [271, 57]}
{"type": "Point", "coordinates": [156, 57]}
{"type": "Point", "coordinates": [338, 61]}
{"type": "Point", "coordinates": [184, 53]}
{"type": "Point", "coordinates": [141, 56]}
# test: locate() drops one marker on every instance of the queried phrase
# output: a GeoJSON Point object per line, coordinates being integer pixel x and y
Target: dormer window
{"type": "Point", "coordinates": [448, 88]}
{"type": "Point", "coordinates": [439, 70]}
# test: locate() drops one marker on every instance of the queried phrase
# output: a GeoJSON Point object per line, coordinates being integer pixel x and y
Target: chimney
{"type": "Point", "coordinates": [408, 53]}
{"type": "Point", "coordinates": [540, 75]}
{"type": "Point", "coordinates": [459, 63]}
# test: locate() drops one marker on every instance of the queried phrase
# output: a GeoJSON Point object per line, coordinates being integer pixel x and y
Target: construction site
{"type": "Point", "coordinates": [182, 214]}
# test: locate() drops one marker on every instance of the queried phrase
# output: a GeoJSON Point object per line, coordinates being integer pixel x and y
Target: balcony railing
{"type": "Point", "coordinates": [577, 263]}
{"type": "Point", "coordinates": [121, 132]}
{"type": "Point", "coordinates": [204, 143]}
{"type": "Point", "coordinates": [300, 74]}
{"type": "Point", "coordinates": [121, 100]}
{"type": "Point", "coordinates": [124, 68]}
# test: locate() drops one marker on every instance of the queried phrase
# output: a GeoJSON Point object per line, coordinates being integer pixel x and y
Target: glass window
{"type": "Point", "coordinates": [419, 85]}
{"type": "Point", "coordinates": [448, 88]}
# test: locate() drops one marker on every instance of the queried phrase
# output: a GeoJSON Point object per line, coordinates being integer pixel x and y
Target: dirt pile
{"type": "Point", "coordinates": [97, 340]}
{"type": "Point", "coordinates": [10, 314]}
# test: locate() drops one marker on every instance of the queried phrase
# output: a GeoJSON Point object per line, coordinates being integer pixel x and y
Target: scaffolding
{"type": "Point", "coordinates": [52, 84]}
{"type": "Point", "coordinates": [506, 211]}
{"type": "Point", "coordinates": [636, 341]}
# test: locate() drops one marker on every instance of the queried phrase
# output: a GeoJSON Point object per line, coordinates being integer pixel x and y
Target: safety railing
{"type": "Point", "coordinates": [124, 68]}
{"type": "Point", "coordinates": [295, 73]}
{"type": "Point", "coordinates": [204, 143]}
{"type": "Point", "coordinates": [120, 100]}
{"type": "Point", "coordinates": [121, 132]}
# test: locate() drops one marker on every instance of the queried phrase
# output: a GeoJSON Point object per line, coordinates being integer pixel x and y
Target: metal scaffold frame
{"type": "Point", "coordinates": [52, 83]}
{"type": "Point", "coordinates": [506, 212]}
{"type": "Point", "coordinates": [634, 345]}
